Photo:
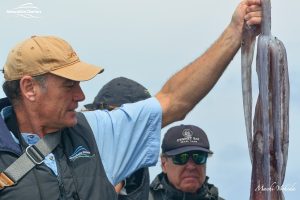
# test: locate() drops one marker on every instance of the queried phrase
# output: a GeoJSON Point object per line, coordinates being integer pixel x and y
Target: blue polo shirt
{"type": "Point", "coordinates": [128, 138]}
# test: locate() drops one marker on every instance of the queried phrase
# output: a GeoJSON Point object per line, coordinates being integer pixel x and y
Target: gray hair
{"type": "Point", "coordinates": [12, 88]}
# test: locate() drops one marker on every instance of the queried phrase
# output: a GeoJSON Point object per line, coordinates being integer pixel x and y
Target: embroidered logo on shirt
{"type": "Point", "coordinates": [80, 152]}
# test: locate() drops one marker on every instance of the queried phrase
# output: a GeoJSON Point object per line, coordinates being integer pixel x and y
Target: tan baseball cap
{"type": "Point", "coordinates": [47, 54]}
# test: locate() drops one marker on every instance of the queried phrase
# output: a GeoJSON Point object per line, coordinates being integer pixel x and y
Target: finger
{"type": "Point", "coordinates": [252, 15]}
{"type": "Point", "coordinates": [253, 8]}
{"type": "Point", "coordinates": [253, 2]}
{"type": "Point", "coordinates": [253, 21]}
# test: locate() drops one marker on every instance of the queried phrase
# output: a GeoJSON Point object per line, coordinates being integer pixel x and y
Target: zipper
{"type": "Point", "coordinates": [60, 183]}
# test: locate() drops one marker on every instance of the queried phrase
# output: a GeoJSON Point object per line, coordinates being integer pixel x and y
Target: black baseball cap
{"type": "Point", "coordinates": [184, 138]}
{"type": "Point", "coordinates": [117, 92]}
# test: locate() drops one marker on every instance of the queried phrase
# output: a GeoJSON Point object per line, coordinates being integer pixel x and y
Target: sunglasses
{"type": "Point", "coordinates": [199, 158]}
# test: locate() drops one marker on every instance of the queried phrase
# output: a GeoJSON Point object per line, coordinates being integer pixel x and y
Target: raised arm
{"type": "Point", "coordinates": [188, 86]}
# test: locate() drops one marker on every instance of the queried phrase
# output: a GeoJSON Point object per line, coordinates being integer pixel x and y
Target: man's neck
{"type": "Point", "coordinates": [29, 121]}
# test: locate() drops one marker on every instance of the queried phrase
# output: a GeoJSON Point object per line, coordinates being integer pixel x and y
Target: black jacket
{"type": "Point", "coordinates": [160, 189]}
{"type": "Point", "coordinates": [82, 177]}
{"type": "Point", "coordinates": [137, 186]}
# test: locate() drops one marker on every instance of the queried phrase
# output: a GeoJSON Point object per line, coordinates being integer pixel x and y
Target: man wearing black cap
{"type": "Point", "coordinates": [112, 95]}
{"type": "Point", "coordinates": [185, 149]}
{"type": "Point", "coordinates": [118, 91]}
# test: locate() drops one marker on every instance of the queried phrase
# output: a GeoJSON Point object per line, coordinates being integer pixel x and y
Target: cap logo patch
{"type": "Point", "coordinates": [72, 54]}
{"type": "Point", "coordinates": [187, 133]}
{"type": "Point", "coordinates": [187, 137]}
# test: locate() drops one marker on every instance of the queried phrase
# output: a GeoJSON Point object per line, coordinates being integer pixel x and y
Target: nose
{"type": "Point", "coordinates": [190, 164]}
{"type": "Point", "coordinates": [78, 93]}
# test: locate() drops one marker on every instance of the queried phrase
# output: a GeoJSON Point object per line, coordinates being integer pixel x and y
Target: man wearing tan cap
{"type": "Point", "coordinates": [42, 76]}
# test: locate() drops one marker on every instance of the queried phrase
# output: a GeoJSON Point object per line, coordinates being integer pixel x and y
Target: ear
{"type": "Point", "coordinates": [163, 163]}
{"type": "Point", "coordinates": [28, 88]}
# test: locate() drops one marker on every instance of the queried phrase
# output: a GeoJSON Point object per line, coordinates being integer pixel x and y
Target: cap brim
{"type": "Point", "coordinates": [90, 106]}
{"type": "Point", "coordinates": [79, 71]}
{"type": "Point", "coordinates": [186, 149]}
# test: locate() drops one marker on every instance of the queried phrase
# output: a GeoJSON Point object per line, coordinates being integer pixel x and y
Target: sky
{"type": "Point", "coordinates": [148, 41]}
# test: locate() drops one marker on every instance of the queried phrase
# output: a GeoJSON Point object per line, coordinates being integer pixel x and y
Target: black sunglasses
{"type": "Point", "coordinates": [198, 157]}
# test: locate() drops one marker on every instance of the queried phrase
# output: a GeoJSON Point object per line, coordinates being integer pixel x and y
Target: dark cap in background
{"type": "Point", "coordinates": [183, 138]}
{"type": "Point", "coordinates": [117, 92]}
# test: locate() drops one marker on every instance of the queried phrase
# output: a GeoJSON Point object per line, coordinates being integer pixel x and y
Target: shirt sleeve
{"type": "Point", "coordinates": [128, 137]}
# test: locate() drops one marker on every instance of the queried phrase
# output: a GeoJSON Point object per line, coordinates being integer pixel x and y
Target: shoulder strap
{"type": "Point", "coordinates": [33, 155]}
